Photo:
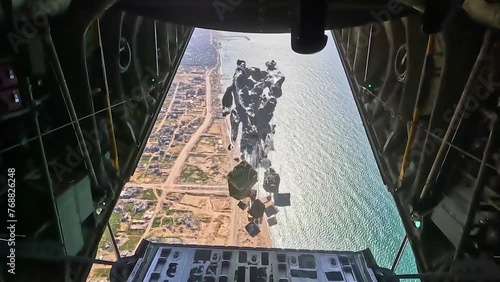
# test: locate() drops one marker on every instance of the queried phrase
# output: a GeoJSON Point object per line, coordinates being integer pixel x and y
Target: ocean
{"type": "Point", "coordinates": [322, 154]}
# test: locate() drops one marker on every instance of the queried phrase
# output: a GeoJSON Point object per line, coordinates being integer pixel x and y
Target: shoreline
{"type": "Point", "coordinates": [264, 226]}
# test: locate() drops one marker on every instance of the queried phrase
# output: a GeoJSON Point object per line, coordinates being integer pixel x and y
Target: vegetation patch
{"type": "Point", "coordinates": [168, 220]}
{"type": "Point", "coordinates": [131, 243]}
{"type": "Point", "coordinates": [156, 222]}
{"type": "Point", "coordinates": [192, 173]}
{"type": "Point", "coordinates": [114, 221]}
{"type": "Point", "coordinates": [148, 194]}
{"type": "Point", "coordinates": [101, 272]}
{"type": "Point", "coordinates": [128, 206]}
{"type": "Point", "coordinates": [137, 215]}
{"type": "Point", "coordinates": [171, 212]}
{"type": "Point", "coordinates": [137, 232]}
{"type": "Point", "coordinates": [144, 158]}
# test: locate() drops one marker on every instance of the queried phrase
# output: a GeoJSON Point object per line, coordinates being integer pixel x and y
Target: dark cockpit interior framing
{"type": "Point", "coordinates": [82, 83]}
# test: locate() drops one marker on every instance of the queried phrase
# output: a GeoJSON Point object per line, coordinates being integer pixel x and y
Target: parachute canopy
{"type": "Point", "coordinates": [257, 209]}
{"type": "Point", "coordinates": [271, 181]}
{"type": "Point", "coordinates": [241, 180]}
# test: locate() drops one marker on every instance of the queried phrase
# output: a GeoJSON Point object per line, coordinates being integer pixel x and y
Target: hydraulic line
{"type": "Point", "coordinates": [423, 93]}
{"type": "Point", "coordinates": [112, 136]}
{"type": "Point", "coordinates": [52, 55]}
{"type": "Point", "coordinates": [368, 51]}
{"type": "Point", "coordinates": [479, 185]}
{"type": "Point", "coordinates": [395, 115]}
{"type": "Point", "coordinates": [462, 103]}
{"type": "Point", "coordinates": [46, 172]}
{"type": "Point", "coordinates": [113, 240]}
{"type": "Point", "coordinates": [400, 253]}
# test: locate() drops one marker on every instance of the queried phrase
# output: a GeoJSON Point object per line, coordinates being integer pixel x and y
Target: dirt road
{"type": "Point", "coordinates": [181, 159]}
{"type": "Point", "coordinates": [160, 126]}
{"type": "Point", "coordinates": [233, 232]}
{"type": "Point", "coordinates": [199, 186]}
{"type": "Point", "coordinates": [232, 238]}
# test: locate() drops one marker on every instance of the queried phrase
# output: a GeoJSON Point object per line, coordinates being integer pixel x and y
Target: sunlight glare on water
{"type": "Point", "coordinates": [322, 154]}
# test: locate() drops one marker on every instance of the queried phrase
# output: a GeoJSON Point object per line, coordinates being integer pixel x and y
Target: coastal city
{"type": "Point", "coordinates": [179, 192]}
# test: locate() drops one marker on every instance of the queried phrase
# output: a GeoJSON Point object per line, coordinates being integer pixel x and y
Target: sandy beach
{"type": "Point", "coordinates": [240, 217]}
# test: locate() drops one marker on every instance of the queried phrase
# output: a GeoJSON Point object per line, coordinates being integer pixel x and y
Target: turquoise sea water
{"type": "Point", "coordinates": [322, 154]}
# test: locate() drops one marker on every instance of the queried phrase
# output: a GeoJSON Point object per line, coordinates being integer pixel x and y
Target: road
{"type": "Point", "coordinates": [159, 186]}
{"type": "Point", "coordinates": [160, 126]}
{"type": "Point", "coordinates": [232, 240]}
{"type": "Point", "coordinates": [201, 186]}
{"type": "Point", "coordinates": [181, 159]}
{"type": "Point", "coordinates": [200, 191]}
{"type": "Point", "coordinates": [233, 225]}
